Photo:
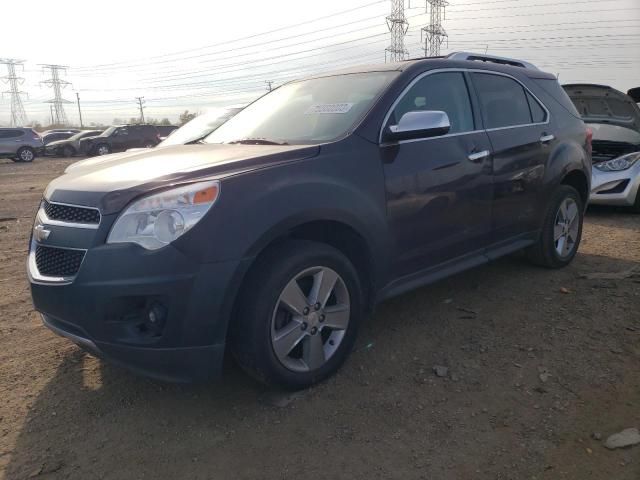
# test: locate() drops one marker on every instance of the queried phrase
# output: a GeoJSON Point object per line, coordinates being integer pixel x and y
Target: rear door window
{"type": "Point", "coordinates": [10, 133]}
{"type": "Point", "coordinates": [446, 92]}
{"type": "Point", "coordinates": [503, 101]}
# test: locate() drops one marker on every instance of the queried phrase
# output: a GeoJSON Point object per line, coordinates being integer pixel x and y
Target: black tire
{"type": "Point", "coordinates": [636, 204]}
{"type": "Point", "coordinates": [543, 252]}
{"type": "Point", "coordinates": [251, 330]}
{"type": "Point", "coordinates": [102, 147]}
{"type": "Point", "coordinates": [68, 151]}
{"type": "Point", "coordinates": [25, 154]}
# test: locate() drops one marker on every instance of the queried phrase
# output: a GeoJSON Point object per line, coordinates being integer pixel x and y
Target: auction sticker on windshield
{"type": "Point", "coordinates": [329, 108]}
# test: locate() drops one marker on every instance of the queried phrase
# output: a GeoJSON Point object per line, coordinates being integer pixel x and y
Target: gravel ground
{"type": "Point", "coordinates": [539, 366]}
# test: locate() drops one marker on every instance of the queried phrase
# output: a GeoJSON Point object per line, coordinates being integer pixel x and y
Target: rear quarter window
{"type": "Point", "coordinates": [555, 91]}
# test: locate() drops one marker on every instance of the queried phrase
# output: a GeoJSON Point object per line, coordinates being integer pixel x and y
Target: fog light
{"type": "Point", "coordinates": [156, 316]}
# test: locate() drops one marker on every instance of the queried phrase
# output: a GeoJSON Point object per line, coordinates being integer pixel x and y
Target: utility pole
{"type": "Point", "coordinates": [51, 112]}
{"type": "Point", "coordinates": [398, 26]}
{"type": "Point", "coordinates": [79, 111]}
{"type": "Point", "coordinates": [140, 103]}
{"type": "Point", "coordinates": [57, 84]}
{"type": "Point", "coordinates": [18, 117]}
{"type": "Point", "coordinates": [434, 34]}
{"type": "Point", "coordinates": [269, 85]}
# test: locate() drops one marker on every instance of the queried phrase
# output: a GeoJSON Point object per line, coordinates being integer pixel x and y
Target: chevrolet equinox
{"type": "Point", "coordinates": [278, 233]}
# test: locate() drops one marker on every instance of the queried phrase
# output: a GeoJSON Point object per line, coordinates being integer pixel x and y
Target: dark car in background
{"type": "Point", "coordinates": [165, 130]}
{"type": "Point", "coordinates": [614, 118]}
{"type": "Point", "coordinates": [20, 144]}
{"type": "Point", "coordinates": [70, 146]}
{"type": "Point", "coordinates": [51, 137]}
{"type": "Point", "coordinates": [120, 138]}
{"type": "Point", "coordinates": [278, 234]}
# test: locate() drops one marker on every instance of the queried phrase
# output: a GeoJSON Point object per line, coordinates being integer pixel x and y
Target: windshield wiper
{"type": "Point", "coordinates": [258, 141]}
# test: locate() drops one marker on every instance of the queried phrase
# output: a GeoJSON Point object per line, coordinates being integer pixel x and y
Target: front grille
{"type": "Point", "coordinates": [58, 262]}
{"type": "Point", "coordinates": [71, 214]}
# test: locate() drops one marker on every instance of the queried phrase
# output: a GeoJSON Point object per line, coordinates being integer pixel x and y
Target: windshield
{"type": "Point", "coordinates": [199, 127]}
{"type": "Point", "coordinates": [308, 111]}
{"type": "Point", "coordinates": [108, 132]}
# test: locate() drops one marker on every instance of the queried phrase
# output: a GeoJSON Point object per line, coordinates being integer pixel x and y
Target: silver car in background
{"type": "Point", "coordinates": [614, 119]}
{"type": "Point", "coordinates": [20, 144]}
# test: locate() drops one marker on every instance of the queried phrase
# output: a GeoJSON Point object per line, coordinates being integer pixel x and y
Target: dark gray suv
{"type": "Point", "coordinates": [279, 233]}
{"type": "Point", "coordinates": [20, 144]}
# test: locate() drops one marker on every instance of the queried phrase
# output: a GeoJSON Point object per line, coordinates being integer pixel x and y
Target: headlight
{"type": "Point", "coordinates": [157, 220]}
{"type": "Point", "coordinates": [620, 163]}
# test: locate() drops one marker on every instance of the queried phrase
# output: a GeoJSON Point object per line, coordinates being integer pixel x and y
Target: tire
{"type": "Point", "coordinates": [68, 151]}
{"type": "Point", "coordinates": [262, 314]}
{"type": "Point", "coordinates": [25, 154]}
{"type": "Point", "coordinates": [558, 242]}
{"type": "Point", "coordinates": [636, 205]}
{"type": "Point", "coordinates": [149, 145]}
{"type": "Point", "coordinates": [102, 149]}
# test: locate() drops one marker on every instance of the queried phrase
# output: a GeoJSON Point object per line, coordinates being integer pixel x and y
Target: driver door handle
{"type": "Point", "coordinates": [477, 156]}
{"type": "Point", "coordinates": [546, 138]}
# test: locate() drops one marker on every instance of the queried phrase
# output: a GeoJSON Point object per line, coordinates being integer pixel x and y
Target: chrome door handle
{"type": "Point", "coordinates": [546, 138]}
{"type": "Point", "coordinates": [474, 157]}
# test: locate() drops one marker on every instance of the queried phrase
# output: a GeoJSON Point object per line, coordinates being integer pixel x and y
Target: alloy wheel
{"type": "Point", "coordinates": [566, 227]}
{"type": "Point", "coordinates": [26, 155]}
{"type": "Point", "coordinates": [103, 150]}
{"type": "Point", "coordinates": [310, 319]}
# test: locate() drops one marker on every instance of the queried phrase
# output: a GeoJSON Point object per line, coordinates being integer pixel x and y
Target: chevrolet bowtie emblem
{"type": "Point", "coordinates": [40, 234]}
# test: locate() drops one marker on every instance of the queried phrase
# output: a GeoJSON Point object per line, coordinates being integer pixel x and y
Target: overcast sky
{"type": "Point", "coordinates": [196, 55]}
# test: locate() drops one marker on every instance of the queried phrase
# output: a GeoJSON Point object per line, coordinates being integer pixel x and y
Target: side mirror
{"type": "Point", "coordinates": [419, 124]}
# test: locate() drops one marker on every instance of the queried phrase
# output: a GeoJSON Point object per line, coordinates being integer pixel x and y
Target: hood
{"type": "Point", "coordinates": [603, 104]}
{"type": "Point", "coordinates": [89, 139]}
{"type": "Point", "coordinates": [111, 181]}
{"type": "Point", "coordinates": [59, 143]}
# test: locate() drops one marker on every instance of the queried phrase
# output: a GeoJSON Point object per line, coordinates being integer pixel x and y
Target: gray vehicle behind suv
{"type": "Point", "coordinates": [280, 231]}
{"type": "Point", "coordinates": [20, 144]}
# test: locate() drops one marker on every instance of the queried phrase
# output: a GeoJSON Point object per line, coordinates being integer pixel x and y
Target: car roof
{"type": "Point", "coordinates": [455, 60]}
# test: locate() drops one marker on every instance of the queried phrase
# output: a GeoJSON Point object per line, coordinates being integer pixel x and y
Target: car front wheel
{"type": "Point", "coordinates": [298, 315]}
{"type": "Point", "coordinates": [562, 230]}
{"type": "Point", "coordinates": [103, 149]}
{"type": "Point", "coordinates": [26, 154]}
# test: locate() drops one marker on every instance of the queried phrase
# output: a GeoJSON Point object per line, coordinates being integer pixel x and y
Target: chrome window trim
{"type": "Point", "coordinates": [448, 70]}
{"type": "Point", "coordinates": [36, 277]}
{"type": "Point", "coordinates": [59, 223]}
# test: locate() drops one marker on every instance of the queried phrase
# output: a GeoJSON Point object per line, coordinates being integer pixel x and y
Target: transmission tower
{"type": "Point", "coordinates": [18, 117]}
{"type": "Point", "coordinates": [434, 34]}
{"type": "Point", "coordinates": [57, 84]}
{"type": "Point", "coordinates": [398, 25]}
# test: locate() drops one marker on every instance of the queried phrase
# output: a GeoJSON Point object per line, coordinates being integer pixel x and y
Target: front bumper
{"type": "Point", "coordinates": [615, 188]}
{"type": "Point", "coordinates": [105, 309]}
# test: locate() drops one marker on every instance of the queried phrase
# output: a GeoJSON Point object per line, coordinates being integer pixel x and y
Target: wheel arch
{"type": "Point", "coordinates": [577, 179]}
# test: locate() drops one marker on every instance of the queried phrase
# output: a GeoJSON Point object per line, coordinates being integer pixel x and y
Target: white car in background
{"type": "Point", "coordinates": [614, 118]}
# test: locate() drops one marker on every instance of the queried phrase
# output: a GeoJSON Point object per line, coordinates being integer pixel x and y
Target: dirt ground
{"type": "Point", "coordinates": [539, 363]}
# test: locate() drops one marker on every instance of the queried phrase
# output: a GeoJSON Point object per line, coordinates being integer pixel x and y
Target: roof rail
{"type": "Point", "coordinates": [480, 57]}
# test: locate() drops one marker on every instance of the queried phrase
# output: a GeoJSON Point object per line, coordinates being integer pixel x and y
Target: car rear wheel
{"type": "Point", "coordinates": [26, 154]}
{"type": "Point", "coordinates": [103, 149]}
{"type": "Point", "coordinates": [562, 230]}
{"type": "Point", "coordinates": [298, 315]}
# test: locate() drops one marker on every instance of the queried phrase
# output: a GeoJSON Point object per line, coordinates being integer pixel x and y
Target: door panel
{"type": "Point", "coordinates": [519, 160]}
{"type": "Point", "coordinates": [438, 199]}
{"type": "Point", "coordinates": [516, 124]}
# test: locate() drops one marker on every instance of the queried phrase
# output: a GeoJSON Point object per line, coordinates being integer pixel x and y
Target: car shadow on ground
{"type": "Point", "coordinates": [96, 420]}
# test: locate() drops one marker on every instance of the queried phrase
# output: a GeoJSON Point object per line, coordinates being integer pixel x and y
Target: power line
{"type": "Point", "coordinates": [58, 85]}
{"type": "Point", "coordinates": [18, 116]}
